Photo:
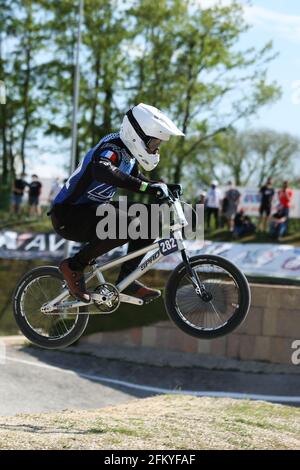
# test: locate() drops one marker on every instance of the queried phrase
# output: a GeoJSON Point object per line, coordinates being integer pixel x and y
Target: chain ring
{"type": "Point", "coordinates": [112, 303]}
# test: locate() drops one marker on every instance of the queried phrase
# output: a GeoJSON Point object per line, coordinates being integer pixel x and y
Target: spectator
{"type": "Point", "coordinates": [34, 195]}
{"type": "Point", "coordinates": [285, 195]}
{"type": "Point", "coordinates": [202, 198]}
{"type": "Point", "coordinates": [55, 188]}
{"type": "Point", "coordinates": [230, 205]}
{"type": "Point", "coordinates": [213, 199]}
{"type": "Point", "coordinates": [278, 224]}
{"type": "Point", "coordinates": [18, 187]}
{"type": "Point", "coordinates": [267, 194]}
{"type": "Point", "coordinates": [242, 225]}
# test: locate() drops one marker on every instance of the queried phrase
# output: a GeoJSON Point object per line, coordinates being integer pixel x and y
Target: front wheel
{"type": "Point", "coordinates": [36, 288]}
{"type": "Point", "coordinates": [229, 297]}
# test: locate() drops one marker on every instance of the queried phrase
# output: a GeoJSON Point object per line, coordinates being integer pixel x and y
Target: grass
{"type": "Point", "coordinates": [162, 422]}
{"type": "Point", "coordinates": [24, 223]}
{"type": "Point", "coordinates": [224, 235]}
{"type": "Point", "coordinates": [10, 273]}
{"type": "Point", "coordinates": [43, 224]}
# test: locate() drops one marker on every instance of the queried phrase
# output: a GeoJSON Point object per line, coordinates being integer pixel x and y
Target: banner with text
{"type": "Point", "coordinates": [250, 202]}
{"type": "Point", "coordinates": [256, 259]}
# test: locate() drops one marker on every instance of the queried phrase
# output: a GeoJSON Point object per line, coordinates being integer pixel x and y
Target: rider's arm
{"type": "Point", "coordinates": [106, 171]}
{"type": "Point", "coordinates": [137, 174]}
{"type": "Point", "coordinates": [172, 186]}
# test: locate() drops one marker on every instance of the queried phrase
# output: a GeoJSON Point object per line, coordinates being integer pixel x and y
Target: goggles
{"type": "Point", "coordinates": [152, 143]}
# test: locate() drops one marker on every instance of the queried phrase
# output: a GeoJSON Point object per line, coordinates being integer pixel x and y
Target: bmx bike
{"type": "Point", "coordinates": [206, 296]}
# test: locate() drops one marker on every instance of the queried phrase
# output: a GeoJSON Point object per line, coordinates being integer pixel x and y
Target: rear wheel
{"type": "Point", "coordinates": [36, 288]}
{"type": "Point", "coordinates": [229, 295]}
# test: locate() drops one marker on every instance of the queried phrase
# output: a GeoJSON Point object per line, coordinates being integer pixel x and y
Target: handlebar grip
{"type": "Point", "coordinates": [176, 193]}
{"type": "Point", "coordinates": [175, 190]}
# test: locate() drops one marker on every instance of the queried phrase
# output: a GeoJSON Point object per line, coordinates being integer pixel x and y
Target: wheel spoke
{"type": "Point", "coordinates": [40, 290]}
{"type": "Point", "coordinates": [213, 314]}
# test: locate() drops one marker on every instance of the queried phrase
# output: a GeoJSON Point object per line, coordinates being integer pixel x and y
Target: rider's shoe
{"type": "Point", "coordinates": [75, 281]}
{"type": "Point", "coordinates": [139, 290]}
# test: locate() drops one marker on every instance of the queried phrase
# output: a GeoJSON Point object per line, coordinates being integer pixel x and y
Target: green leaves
{"type": "Point", "coordinates": [251, 156]}
{"type": "Point", "coordinates": [172, 54]}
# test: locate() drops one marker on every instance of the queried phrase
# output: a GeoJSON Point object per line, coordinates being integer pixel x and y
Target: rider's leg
{"type": "Point", "coordinates": [136, 288]}
{"type": "Point", "coordinates": [132, 264]}
{"type": "Point", "coordinates": [79, 224]}
{"type": "Point", "coordinates": [97, 247]}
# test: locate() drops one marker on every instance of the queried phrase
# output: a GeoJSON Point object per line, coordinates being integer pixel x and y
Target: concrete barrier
{"type": "Point", "coordinates": [267, 334]}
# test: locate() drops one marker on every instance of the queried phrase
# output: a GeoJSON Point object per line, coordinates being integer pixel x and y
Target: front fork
{"type": "Point", "coordinates": [200, 288]}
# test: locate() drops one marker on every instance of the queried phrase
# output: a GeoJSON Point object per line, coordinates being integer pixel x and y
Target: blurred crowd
{"type": "Point", "coordinates": [25, 197]}
{"type": "Point", "coordinates": [222, 208]}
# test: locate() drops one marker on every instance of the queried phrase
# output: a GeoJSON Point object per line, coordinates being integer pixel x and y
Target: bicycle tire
{"type": "Point", "coordinates": [237, 318]}
{"type": "Point", "coordinates": [28, 332]}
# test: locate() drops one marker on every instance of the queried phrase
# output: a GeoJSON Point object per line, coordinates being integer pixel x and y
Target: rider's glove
{"type": "Point", "coordinates": [176, 189]}
{"type": "Point", "coordinates": [160, 190]}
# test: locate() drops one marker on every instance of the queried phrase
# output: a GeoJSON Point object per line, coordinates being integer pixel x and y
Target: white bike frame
{"type": "Point", "coordinates": [60, 303]}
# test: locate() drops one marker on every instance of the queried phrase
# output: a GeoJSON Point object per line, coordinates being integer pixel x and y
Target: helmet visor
{"type": "Point", "coordinates": [153, 144]}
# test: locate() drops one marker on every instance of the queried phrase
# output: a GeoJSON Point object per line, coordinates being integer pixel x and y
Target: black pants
{"type": "Point", "coordinates": [212, 211]}
{"type": "Point", "coordinates": [78, 223]}
{"type": "Point", "coordinates": [265, 209]}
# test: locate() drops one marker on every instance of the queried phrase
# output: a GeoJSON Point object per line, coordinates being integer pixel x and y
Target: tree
{"type": "Point", "coordinates": [170, 53]}
{"type": "Point", "coordinates": [191, 66]}
{"type": "Point", "coordinates": [275, 153]}
{"type": "Point", "coordinates": [102, 69]}
{"type": "Point", "coordinates": [249, 157]}
{"type": "Point", "coordinates": [58, 71]}
{"type": "Point", "coordinates": [106, 67]}
{"type": "Point", "coordinates": [23, 35]}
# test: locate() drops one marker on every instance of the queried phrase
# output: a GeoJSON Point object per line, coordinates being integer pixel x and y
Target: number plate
{"type": "Point", "coordinates": [168, 246]}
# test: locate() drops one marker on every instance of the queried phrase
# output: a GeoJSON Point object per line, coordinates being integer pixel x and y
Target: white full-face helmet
{"type": "Point", "coordinates": [143, 129]}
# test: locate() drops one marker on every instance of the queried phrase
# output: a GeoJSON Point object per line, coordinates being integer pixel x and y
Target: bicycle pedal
{"type": "Point", "coordinates": [148, 301]}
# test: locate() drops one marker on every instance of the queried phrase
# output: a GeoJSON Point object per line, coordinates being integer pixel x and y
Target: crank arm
{"type": "Point", "coordinates": [59, 309]}
{"type": "Point", "coordinates": [47, 308]}
{"type": "Point", "coordinates": [61, 313]}
{"type": "Point", "coordinates": [130, 300]}
{"type": "Point", "coordinates": [63, 306]}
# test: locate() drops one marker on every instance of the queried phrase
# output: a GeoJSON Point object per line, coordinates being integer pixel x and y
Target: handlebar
{"type": "Point", "coordinates": [173, 195]}
{"type": "Point", "coordinates": [176, 193]}
{"type": "Point", "coordinates": [173, 199]}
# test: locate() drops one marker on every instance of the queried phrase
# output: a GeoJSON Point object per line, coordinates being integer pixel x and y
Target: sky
{"type": "Point", "coordinates": [279, 20]}
{"type": "Point", "coordinates": [276, 20]}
